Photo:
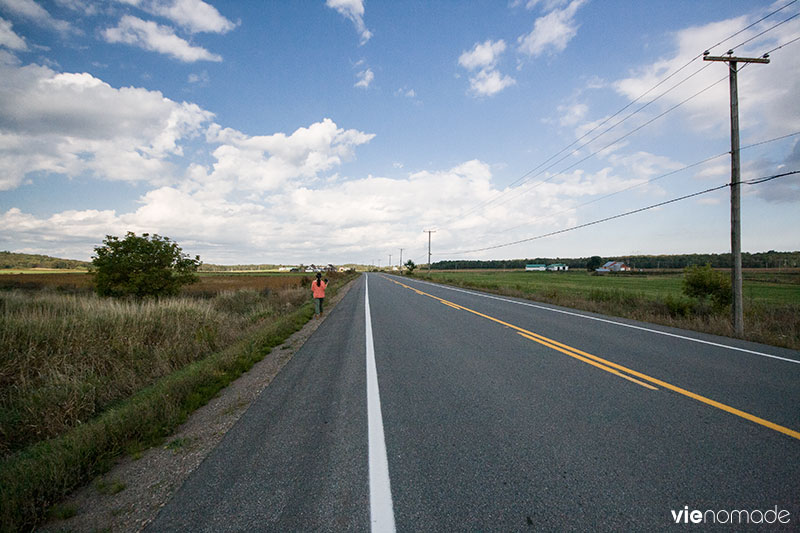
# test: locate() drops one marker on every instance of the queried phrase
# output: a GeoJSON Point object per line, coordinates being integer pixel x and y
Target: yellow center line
{"type": "Point", "coordinates": [588, 361]}
{"type": "Point", "coordinates": [592, 359]}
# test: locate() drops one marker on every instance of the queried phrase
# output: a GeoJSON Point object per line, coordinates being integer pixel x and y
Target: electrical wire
{"type": "Point", "coordinates": [620, 215]}
{"type": "Point", "coordinates": [525, 177]}
{"type": "Point", "coordinates": [651, 180]}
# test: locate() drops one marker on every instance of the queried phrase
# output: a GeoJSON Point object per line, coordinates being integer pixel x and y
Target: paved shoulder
{"type": "Point", "coordinates": [295, 461]}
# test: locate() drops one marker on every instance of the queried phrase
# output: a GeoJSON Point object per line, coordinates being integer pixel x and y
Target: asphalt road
{"type": "Point", "coordinates": [493, 414]}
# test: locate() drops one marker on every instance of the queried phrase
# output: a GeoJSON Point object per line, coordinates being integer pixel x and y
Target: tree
{"type": "Point", "coordinates": [410, 266]}
{"type": "Point", "coordinates": [702, 282]}
{"type": "Point", "coordinates": [594, 263]}
{"type": "Point", "coordinates": [141, 266]}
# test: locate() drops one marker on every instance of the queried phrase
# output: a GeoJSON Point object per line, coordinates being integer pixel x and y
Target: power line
{"type": "Point", "coordinates": [525, 177]}
{"type": "Point", "coordinates": [765, 31]}
{"type": "Point", "coordinates": [614, 217]}
{"type": "Point", "coordinates": [662, 176]}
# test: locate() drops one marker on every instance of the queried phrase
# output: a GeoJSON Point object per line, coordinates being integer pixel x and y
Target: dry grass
{"type": "Point", "coordinates": [67, 354]}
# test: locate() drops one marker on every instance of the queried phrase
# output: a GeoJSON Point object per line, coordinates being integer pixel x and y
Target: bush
{"type": "Point", "coordinates": [704, 282]}
{"type": "Point", "coordinates": [410, 266]}
{"type": "Point", "coordinates": [141, 266]}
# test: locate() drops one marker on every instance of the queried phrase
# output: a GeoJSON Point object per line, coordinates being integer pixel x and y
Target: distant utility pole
{"type": "Point", "coordinates": [736, 182]}
{"type": "Point", "coordinates": [401, 259]}
{"type": "Point", "coordinates": [390, 260]}
{"type": "Point", "coordinates": [429, 231]}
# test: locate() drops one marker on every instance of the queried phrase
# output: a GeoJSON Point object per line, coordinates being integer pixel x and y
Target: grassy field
{"type": "Point", "coordinates": [84, 378]}
{"type": "Point", "coordinates": [771, 298]}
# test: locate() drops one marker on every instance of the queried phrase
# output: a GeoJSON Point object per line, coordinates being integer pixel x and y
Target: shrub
{"type": "Point", "coordinates": [141, 266]}
{"type": "Point", "coordinates": [704, 282]}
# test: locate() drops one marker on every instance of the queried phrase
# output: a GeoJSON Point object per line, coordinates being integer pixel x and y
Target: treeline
{"type": "Point", "coordinates": [771, 259]}
{"type": "Point", "coordinates": [9, 260]}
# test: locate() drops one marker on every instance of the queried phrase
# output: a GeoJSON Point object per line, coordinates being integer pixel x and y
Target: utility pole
{"type": "Point", "coordinates": [401, 260]}
{"type": "Point", "coordinates": [736, 182]}
{"type": "Point", "coordinates": [429, 231]}
{"type": "Point", "coordinates": [390, 261]}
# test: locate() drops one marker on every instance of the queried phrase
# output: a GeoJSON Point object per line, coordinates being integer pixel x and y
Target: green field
{"type": "Point", "coordinates": [765, 287]}
{"type": "Point", "coordinates": [771, 298]}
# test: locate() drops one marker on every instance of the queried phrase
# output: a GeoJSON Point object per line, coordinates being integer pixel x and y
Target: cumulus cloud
{"type": "Point", "coordinates": [482, 60]}
{"type": "Point", "coordinates": [71, 123]}
{"type": "Point", "coordinates": [353, 10]}
{"type": "Point", "coordinates": [9, 39]}
{"type": "Point", "coordinates": [156, 38]}
{"type": "Point", "coordinates": [267, 162]}
{"type": "Point", "coordinates": [553, 31]}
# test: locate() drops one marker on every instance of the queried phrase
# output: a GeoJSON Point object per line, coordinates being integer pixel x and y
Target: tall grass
{"type": "Point", "coordinates": [67, 357]}
{"type": "Point", "coordinates": [83, 378]}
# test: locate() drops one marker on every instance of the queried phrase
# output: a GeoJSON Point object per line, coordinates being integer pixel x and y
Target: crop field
{"type": "Point", "coordinates": [771, 298]}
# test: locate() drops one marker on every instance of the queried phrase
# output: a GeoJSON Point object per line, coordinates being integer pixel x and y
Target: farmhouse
{"type": "Point", "coordinates": [535, 268]}
{"type": "Point", "coordinates": [614, 266]}
{"type": "Point", "coordinates": [557, 267]}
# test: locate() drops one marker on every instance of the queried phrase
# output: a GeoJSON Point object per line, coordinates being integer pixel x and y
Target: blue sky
{"type": "Point", "coordinates": [337, 131]}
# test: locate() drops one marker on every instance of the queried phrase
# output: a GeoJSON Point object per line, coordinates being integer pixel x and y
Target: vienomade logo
{"type": "Point", "coordinates": [735, 516]}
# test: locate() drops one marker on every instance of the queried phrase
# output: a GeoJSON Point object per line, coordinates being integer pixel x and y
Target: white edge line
{"type": "Point", "coordinates": [381, 510]}
{"type": "Point", "coordinates": [682, 337]}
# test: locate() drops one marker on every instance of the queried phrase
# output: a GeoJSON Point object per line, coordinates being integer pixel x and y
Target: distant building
{"type": "Point", "coordinates": [557, 267]}
{"type": "Point", "coordinates": [614, 266]}
{"type": "Point", "coordinates": [535, 268]}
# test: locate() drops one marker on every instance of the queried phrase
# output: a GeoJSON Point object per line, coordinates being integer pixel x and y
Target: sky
{"type": "Point", "coordinates": [340, 131]}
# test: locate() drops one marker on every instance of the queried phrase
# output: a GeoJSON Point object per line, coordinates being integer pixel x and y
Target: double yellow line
{"type": "Point", "coordinates": [618, 370]}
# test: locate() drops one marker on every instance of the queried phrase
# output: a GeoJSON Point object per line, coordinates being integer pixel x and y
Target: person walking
{"type": "Point", "coordinates": [318, 290]}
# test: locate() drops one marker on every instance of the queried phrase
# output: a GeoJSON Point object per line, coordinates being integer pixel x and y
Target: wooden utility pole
{"type": "Point", "coordinates": [736, 182]}
{"type": "Point", "coordinates": [428, 231]}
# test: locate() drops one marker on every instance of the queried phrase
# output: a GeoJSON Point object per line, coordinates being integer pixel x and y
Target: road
{"type": "Point", "coordinates": [418, 407]}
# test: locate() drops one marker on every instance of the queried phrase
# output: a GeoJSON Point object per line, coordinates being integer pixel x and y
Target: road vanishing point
{"type": "Point", "coordinates": [421, 407]}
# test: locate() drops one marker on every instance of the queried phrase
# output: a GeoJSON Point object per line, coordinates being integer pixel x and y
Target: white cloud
{"type": "Point", "coordinates": [268, 162]}
{"type": "Point", "coordinates": [552, 31]}
{"type": "Point", "coordinates": [483, 55]}
{"type": "Point", "coordinates": [9, 39]}
{"type": "Point", "coordinates": [32, 11]}
{"type": "Point", "coordinates": [156, 38]}
{"type": "Point", "coordinates": [482, 60]}
{"type": "Point", "coordinates": [353, 10]}
{"type": "Point", "coordinates": [72, 124]}
{"type": "Point", "coordinates": [572, 114]}
{"type": "Point", "coordinates": [767, 93]}
{"type": "Point", "coordinates": [194, 15]}
{"type": "Point", "coordinates": [365, 77]}
{"type": "Point", "coordinates": [489, 82]}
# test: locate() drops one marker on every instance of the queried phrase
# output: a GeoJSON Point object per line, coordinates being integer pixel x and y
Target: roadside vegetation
{"type": "Point", "coordinates": [771, 297]}
{"type": "Point", "coordinates": [84, 378]}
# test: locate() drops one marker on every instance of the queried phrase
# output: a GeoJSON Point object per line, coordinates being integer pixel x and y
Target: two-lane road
{"type": "Point", "coordinates": [428, 408]}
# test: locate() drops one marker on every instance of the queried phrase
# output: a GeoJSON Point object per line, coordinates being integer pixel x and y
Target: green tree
{"type": "Point", "coordinates": [703, 282]}
{"type": "Point", "coordinates": [594, 263]}
{"type": "Point", "coordinates": [141, 266]}
{"type": "Point", "coordinates": [410, 266]}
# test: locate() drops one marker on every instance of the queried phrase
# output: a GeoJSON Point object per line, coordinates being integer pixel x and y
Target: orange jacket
{"type": "Point", "coordinates": [318, 290]}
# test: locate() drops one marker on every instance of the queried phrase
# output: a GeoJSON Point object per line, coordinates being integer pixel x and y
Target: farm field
{"type": "Point", "coordinates": [771, 298]}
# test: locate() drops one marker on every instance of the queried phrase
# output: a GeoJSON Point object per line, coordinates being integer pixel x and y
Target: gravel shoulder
{"type": "Point", "coordinates": [129, 496]}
